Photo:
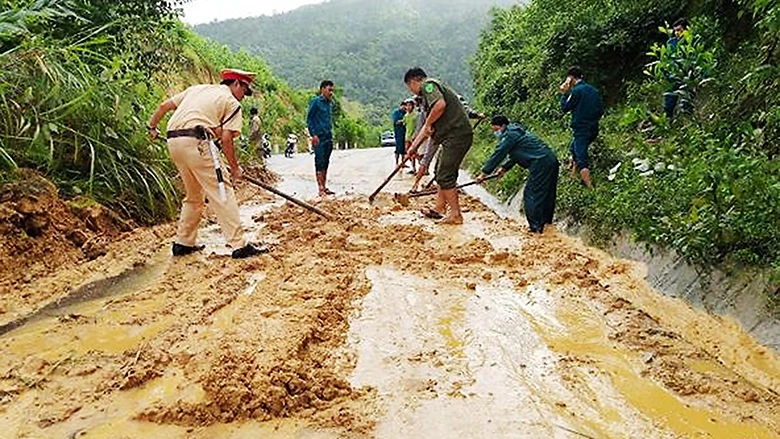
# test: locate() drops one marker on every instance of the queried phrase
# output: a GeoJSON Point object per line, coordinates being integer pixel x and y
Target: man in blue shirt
{"type": "Point", "coordinates": [399, 129]}
{"type": "Point", "coordinates": [525, 149]}
{"type": "Point", "coordinates": [670, 96]}
{"type": "Point", "coordinates": [320, 124]}
{"type": "Point", "coordinates": [584, 102]}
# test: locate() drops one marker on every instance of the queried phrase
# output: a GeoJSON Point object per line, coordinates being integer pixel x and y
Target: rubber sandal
{"type": "Point", "coordinates": [430, 213]}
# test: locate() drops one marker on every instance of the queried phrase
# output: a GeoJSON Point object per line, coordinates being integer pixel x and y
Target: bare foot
{"type": "Point", "coordinates": [451, 221]}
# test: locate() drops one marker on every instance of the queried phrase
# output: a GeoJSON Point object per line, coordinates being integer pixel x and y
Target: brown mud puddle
{"type": "Point", "coordinates": [380, 324]}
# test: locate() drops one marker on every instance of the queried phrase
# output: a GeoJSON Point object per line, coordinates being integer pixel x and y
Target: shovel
{"type": "Point", "coordinates": [303, 204]}
{"type": "Point", "coordinates": [387, 180]}
{"type": "Point", "coordinates": [403, 199]}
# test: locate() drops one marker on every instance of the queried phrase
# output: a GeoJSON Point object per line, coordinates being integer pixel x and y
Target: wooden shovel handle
{"type": "Point", "coordinates": [387, 180]}
{"type": "Point", "coordinates": [292, 199]}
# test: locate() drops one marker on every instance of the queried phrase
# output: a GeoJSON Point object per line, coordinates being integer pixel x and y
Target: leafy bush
{"type": "Point", "coordinates": [78, 80]}
{"type": "Point", "coordinates": [707, 186]}
{"type": "Point", "coordinates": [684, 69]}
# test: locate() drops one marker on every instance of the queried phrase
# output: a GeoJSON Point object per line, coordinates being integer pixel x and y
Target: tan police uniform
{"type": "Point", "coordinates": [208, 106]}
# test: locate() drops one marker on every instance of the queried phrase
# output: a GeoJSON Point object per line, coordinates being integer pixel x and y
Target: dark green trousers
{"type": "Point", "coordinates": [453, 151]}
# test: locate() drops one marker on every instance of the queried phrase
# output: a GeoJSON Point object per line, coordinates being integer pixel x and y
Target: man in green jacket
{"type": "Point", "coordinates": [525, 149]}
{"type": "Point", "coordinates": [447, 124]}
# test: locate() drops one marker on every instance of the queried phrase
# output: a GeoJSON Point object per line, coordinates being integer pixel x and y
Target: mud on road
{"type": "Point", "coordinates": [379, 324]}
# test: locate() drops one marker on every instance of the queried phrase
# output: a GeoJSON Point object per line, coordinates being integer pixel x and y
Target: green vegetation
{"type": "Point", "coordinates": [708, 183]}
{"type": "Point", "coordinates": [78, 80]}
{"type": "Point", "coordinates": [365, 46]}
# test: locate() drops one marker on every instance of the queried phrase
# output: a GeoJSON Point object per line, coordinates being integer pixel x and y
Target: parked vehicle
{"type": "Point", "coordinates": [387, 138]}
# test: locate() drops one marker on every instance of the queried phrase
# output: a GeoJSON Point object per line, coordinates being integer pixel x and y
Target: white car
{"type": "Point", "coordinates": [387, 138]}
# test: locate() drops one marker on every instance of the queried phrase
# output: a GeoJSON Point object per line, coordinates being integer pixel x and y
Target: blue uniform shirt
{"type": "Point", "coordinates": [522, 147]}
{"type": "Point", "coordinates": [399, 129]}
{"type": "Point", "coordinates": [584, 102]}
{"type": "Point", "coordinates": [319, 118]}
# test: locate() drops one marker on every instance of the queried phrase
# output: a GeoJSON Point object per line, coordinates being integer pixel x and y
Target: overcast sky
{"type": "Point", "coordinates": [204, 11]}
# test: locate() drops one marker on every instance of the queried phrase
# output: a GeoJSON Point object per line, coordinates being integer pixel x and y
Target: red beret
{"type": "Point", "coordinates": [239, 75]}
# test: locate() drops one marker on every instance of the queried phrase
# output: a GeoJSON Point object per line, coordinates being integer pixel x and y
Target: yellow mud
{"type": "Point", "coordinates": [380, 324]}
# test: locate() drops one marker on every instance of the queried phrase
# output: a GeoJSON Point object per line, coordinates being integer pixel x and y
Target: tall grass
{"type": "Point", "coordinates": [78, 80]}
{"type": "Point", "coordinates": [63, 117]}
{"type": "Point", "coordinates": [67, 111]}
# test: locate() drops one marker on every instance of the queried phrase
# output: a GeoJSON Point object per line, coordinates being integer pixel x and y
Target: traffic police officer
{"type": "Point", "coordinates": [202, 113]}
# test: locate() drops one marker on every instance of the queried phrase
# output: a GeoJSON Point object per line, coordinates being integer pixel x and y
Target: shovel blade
{"type": "Point", "coordinates": [402, 199]}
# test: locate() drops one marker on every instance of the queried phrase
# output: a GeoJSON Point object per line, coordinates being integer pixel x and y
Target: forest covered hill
{"type": "Point", "coordinates": [365, 46]}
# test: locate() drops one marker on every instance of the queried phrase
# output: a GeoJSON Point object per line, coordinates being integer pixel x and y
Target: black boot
{"type": "Point", "coordinates": [249, 250]}
{"type": "Point", "coordinates": [184, 250]}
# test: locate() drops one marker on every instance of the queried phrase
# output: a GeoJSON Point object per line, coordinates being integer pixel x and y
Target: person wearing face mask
{"type": "Point", "coordinates": [525, 149]}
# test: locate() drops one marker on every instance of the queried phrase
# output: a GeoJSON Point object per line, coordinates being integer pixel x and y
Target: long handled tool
{"type": "Point", "coordinates": [387, 180]}
{"type": "Point", "coordinates": [303, 204]}
{"type": "Point", "coordinates": [403, 199]}
{"type": "Point", "coordinates": [400, 166]}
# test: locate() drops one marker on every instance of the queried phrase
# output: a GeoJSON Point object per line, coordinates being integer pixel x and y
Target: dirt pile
{"type": "Point", "coordinates": [260, 171]}
{"type": "Point", "coordinates": [40, 231]}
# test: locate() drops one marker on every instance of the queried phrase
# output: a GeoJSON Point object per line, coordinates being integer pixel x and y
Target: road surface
{"type": "Point", "coordinates": [380, 324]}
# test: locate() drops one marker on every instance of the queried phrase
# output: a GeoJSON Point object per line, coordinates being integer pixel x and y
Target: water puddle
{"type": "Point", "coordinates": [107, 331]}
{"type": "Point", "coordinates": [131, 280]}
{"type": "Point", "coordinates": [584, 338]}
{"type": "Point", "coordinates": [450, 363]}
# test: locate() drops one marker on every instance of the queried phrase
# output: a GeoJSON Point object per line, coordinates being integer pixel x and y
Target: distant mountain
{"type": "Point", "coordinates": [365, 46]}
